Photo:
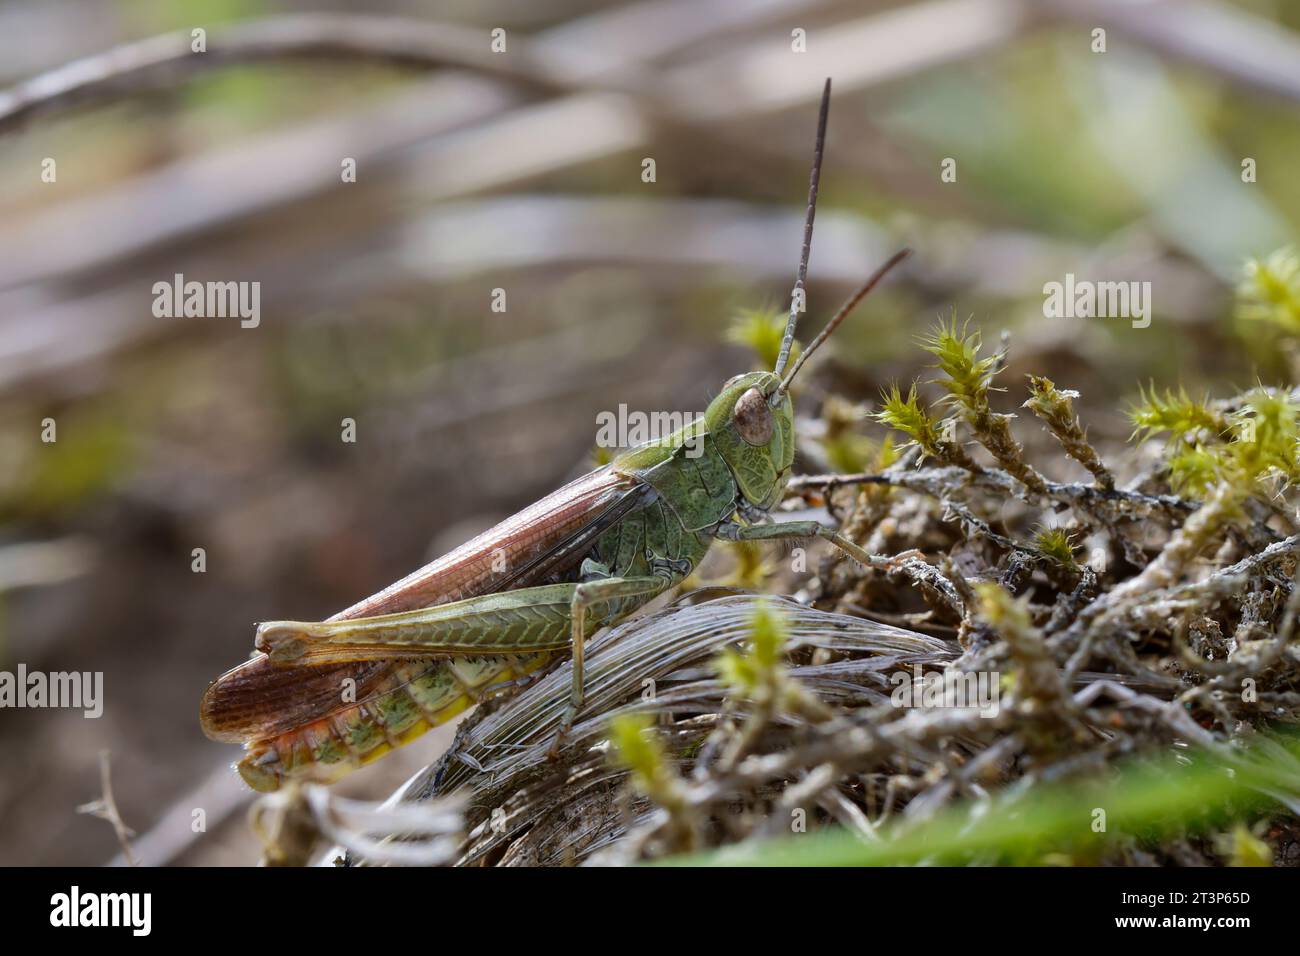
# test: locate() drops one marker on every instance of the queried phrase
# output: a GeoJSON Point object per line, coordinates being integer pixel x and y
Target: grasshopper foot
{"type": "Point", "coordinates": [895, 561]}
{"type": "Point", "coordinates": [566, 724]}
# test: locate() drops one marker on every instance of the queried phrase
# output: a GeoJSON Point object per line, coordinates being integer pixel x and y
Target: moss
{"type": "Point", "coordinates": [1174, 412]}
{"type": "Point", "coordinates": [761, 330]}
{"type": "Point", "coordinates": [1269, 291]}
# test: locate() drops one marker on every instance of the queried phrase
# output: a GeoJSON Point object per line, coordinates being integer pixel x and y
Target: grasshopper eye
{"type": "Point", "coordinates": [753, 418]}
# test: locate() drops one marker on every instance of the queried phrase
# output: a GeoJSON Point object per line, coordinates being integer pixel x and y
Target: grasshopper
{"type": "Point", "coordinates": [319, 699]}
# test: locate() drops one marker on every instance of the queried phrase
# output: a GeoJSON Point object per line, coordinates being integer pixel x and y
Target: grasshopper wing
{"type": "Point", "coordinates": [258, 699]}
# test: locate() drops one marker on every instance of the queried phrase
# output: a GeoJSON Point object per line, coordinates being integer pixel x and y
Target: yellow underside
{"type": "Point", "coordinates": [266, 774]}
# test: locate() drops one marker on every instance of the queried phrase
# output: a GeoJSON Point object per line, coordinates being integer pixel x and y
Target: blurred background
{"type": "Point", "coordinates": [523, 171]}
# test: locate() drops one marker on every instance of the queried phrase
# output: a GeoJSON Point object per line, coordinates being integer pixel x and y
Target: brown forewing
{"type": "Point", "coordinates": [257, 699]}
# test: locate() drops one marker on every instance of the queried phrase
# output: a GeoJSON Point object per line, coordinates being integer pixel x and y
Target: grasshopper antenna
{"type": "Point", "coordinates": [797, 298]}
{"type": "Point", "coordinates": [842, 314]}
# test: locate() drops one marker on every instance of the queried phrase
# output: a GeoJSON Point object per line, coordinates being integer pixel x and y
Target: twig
{"type": "Point", "coordinates": [1231, 42]}
{"type": "Point", "coordinates": [941, 481]}
{"type": "Point", "coordinates": [148, 64]}
{"type": "Point", "coordinates": [105, 808]}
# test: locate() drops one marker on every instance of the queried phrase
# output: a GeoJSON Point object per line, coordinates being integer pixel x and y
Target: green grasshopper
{"type": "Point", "coordinates": [322, 698]}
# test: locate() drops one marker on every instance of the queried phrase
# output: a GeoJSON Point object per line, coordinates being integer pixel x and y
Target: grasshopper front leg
{"type": "Point", "coordinates": [730, 531]}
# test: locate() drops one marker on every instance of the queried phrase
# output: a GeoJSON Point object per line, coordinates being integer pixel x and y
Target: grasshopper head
{"type": "Point", "coordinates": [752, 422]}
{"type": "Point", "coordinates": [752, 419]}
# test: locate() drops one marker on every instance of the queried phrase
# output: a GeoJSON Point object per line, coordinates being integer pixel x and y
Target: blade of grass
{"type": "Point", "coordinates": [1189, 793]}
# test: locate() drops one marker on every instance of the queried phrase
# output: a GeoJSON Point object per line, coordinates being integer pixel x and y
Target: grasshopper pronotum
{"type": "Point", "coordinates": [420, 651]}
